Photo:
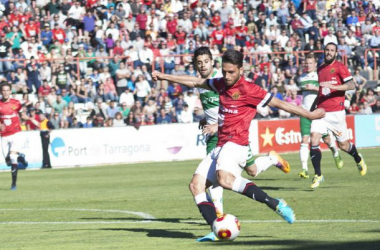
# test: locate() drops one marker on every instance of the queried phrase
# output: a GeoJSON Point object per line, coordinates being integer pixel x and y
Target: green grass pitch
{"type": "Point", "coordinates": [148, 206]}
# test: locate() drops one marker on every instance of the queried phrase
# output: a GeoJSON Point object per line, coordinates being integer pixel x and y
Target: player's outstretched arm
{"type": "Point", "coordinates": [296, 110]}
{"type": "Point", "coordinates": [350, 85]}
{"type": "Point", "coordinates": [189, 81]}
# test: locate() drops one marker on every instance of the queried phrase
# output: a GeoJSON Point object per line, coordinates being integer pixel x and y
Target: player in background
{"type": "Point", "coordinates": [334, 81]}
{"type": "Point", "coordinates": [203, 62]}
{"type": "Point", "coordinates": [238, 101]}
{"type": "Point", "coordinates": [10, 128]}
{"type": "Point", "coordinates": [309, 88]}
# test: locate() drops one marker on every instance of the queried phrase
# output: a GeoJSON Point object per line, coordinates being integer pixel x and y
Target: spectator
{"type": "Point", "coordinates": [186, 115]}
{"type": "Point", "coordinates": [118, 121]}
{"type": "Point", "coordinates": [143, 89]}
{"type": "Point", "coordinates": [163, 118]}
{"type": "Point", "coordinates": [5, 52]}
{"type": "Point", "coordinates": [364, 108]}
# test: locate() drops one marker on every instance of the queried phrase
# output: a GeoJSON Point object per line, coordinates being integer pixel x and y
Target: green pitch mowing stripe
{"type": "Point", "coordinates": [149, 206]}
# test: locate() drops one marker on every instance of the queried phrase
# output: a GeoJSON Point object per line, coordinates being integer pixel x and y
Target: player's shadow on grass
{"type": "Point", "coordinates": [160, 233]}
{"type": "Point", "coordinates": [281, 188]}
{"type": "Point", "coordinates": [306, 245]}
{"type": "Point", "coordinates": [169, 220]}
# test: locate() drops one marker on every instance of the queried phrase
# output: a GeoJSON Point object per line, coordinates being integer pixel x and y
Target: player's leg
{"type": "Point", "coordinates": [14, 168]}
{"type": "Point", "coordinates": [331, 143]}
{"type": "Point", "coordinates": [339, 128]}
{"type": "Point", "coordinates": [216, 193]}
{"type": "Point", "coordinates": [318, 128]}
{"type": "Point", "coordinates": [15, 141]}
{"type": "Point", "coordinates": [6, 145]}
{"type": "Point", "coordinates": [254, 167]}
{"type": "Point", "coordinates": [231, 158]}
{"type": "Point", "coordinates": [350, 148]}
{"type": "Point", "coordinates": [305, 125]}
{"type": "Point", "coordinates": [203, 178]}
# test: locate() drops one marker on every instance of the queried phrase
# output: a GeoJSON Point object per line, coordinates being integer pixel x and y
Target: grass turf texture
{"type": "Point", "coordinates": [161, 190]}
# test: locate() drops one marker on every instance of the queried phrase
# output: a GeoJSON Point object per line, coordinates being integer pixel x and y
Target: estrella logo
{"type": "Point", "coordinates": [58, 147]}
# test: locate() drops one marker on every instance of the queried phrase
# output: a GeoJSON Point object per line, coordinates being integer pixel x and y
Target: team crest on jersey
{"type": "Point", "coordinates": [14, 107]}
{"type": "Point", "coordinates": [235, 95]}
{"type": "Point", "coordinates": [332, 71]}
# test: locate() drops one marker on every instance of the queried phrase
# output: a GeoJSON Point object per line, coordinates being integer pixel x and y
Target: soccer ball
{"type": "Point", "coordinates": [226, 227]}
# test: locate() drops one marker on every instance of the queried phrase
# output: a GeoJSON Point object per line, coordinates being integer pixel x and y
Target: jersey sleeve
{"type": "Point", "coordinates": [258, 96]}
{"type": "Point", "coordinates": [18, 106]}
{"type": "Point", "coordinates": [216, 84]}
{"type": "Point", "coordinates": [344, 74]}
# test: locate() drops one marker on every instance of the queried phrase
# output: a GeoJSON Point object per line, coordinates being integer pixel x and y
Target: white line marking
{"type": "Point", "coordinates": [140, 214]}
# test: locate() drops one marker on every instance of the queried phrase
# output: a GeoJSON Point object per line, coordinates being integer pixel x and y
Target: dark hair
{"type": "Point", "coordinates": [331, 43]}
{"type": "Point", "coordinates": [4, 83]}
{"type": "Point", "coordinates": [234, 57]}
{"type": "Point", "coordinates": [202, 51]}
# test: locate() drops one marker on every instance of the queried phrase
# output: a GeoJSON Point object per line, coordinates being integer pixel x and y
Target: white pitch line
{"type": "Point", "coordinates": [140, 214]}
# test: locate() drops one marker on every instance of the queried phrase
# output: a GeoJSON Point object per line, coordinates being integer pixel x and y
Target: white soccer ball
{"type": "Point", "coordinates": [226, 227]}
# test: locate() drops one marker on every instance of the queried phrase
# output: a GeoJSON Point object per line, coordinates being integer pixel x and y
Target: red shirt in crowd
{"type": "Point", "coordinates": [44, 91]}
{"type": "Point", "coordinates": [9, 117]}
{"type": "Point", "coordinates": [118, 51]}
{"type": "Point", "coordinates": [180, 36]}
{"type": "Point", "coordinates": [241, 32]}
{"type": "Point", "coordinates": [218, 36]}
{"type": "Point", "coordinates": [14, 19]}
{"type": "Point", "coordinates": [141, 19]}
{"type": "Point", "coordinates": [59, 34]}
{"type": "Point", "coordinates": [32, 29]}
{"type": "Point", "coordinates": [171, 26]}
{"type": "Point", "coordinates": [311, 4]}
{"type": "Point", "coordinates": [31, 125]}
{"type": "Point", "coordinates": [216, 21]}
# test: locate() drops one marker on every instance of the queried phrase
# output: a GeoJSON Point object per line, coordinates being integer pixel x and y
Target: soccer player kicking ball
{"type": "Point", "coordinates": [238, 101]}
{"type": "Point", "coordinates": [334, 80]}
{"type": "Point", "coordinates": [10, 128]}
{"type": "Point", "coordinates": [309, 87]}
{"type": "Point", "coordinates": [210, 102]}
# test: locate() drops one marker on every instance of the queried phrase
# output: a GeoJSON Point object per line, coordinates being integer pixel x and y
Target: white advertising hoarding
{"type": "Point", "coordinates": [98, 146]}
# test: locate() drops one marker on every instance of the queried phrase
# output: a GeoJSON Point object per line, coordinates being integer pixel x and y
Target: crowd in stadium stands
{"type": "Point", "coordinates": [125, 40]}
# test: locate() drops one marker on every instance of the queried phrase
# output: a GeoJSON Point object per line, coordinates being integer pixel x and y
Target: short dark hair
{"type": "Point", "coordinates": [331, 43]}
{"type": "Point", "coordinates": [202, 51]}
{"type": "Point", "coordinates": [234, 57]}
{"type": "Point", "coordinates": [4, 83]}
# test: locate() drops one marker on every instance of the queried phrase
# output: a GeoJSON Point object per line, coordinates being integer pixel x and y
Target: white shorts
{"type": "Point", "coordinates": [231, 157]}
{"type": "Point", "coordinates": [11, 143]}
{"type": "Point", "coordinates": [334, 122]}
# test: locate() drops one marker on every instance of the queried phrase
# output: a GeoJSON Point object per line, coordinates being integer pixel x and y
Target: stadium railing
{"type": "Point", "coordinates": [375, 74]}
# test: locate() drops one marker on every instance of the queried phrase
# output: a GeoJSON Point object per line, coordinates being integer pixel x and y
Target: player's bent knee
{"type": "Point", "coordinates": [251, 170]}
{"type": "Point", "coordinates": [345, 146]}
{"type": "Point", "coordinates": [225, 179]}
{"type": "Point", "coordinates": [197, 185]}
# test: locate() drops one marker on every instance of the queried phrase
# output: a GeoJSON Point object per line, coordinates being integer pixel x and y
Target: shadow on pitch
{"type": "Point", "coordinates": [306, 245]}
{"type": "Point", "coordinates": [159, 233]}
{"type": "Point", "coordinates": [169, 220]}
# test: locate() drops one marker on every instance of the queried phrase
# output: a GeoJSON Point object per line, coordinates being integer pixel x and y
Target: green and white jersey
{"type": "Point", "coordinates": [308, 95]}
{"type": "Point", "coordinates": [210, 102]}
